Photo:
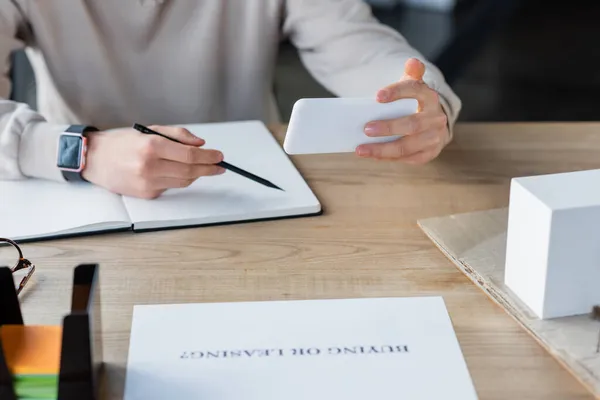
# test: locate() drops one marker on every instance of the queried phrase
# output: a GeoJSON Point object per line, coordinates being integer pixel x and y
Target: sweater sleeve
{"type": "Point", "coordinates": [28, 143]}
{"type": "Point", "coordinates": [352, 54]}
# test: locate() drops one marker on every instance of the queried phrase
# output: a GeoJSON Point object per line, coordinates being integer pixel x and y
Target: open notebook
{"type": "Point", "coordinates": [34, 209]}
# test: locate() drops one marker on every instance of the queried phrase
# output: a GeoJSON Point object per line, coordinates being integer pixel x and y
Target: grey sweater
{"type": "Point", "coordinates": [111, 62]}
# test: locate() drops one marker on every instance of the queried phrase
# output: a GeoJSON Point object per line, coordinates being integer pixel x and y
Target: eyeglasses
{"type": "Point", "coordinates": [21, 268]}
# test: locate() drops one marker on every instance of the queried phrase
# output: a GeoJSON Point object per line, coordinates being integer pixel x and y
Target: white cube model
{"type": "Point", "coordinates": [553, 243]}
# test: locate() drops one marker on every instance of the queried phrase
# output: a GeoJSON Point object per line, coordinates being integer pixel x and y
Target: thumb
{"type": "Point", "coordinates": [413, 70]}
{"type": "Point", "coordinates": [180, 135]}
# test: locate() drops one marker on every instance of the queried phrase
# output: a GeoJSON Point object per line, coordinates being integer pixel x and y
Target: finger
{"type": "Point", "coordinates": [147, 194]}
{"type": "Point", "coordinates": [423, 157]}
{"type": "Point", "coordinates": [158, 147]}
{"type": "Point", "coordinates": [179, 134]}
{"type": "Point", "coordinates": [403, 147]}
{"type": "Point", "coordinates": [173, 169]}
{"type": "Point", "coordinates": [169, 183]}
{"type": "Point", "coordinates": [413, 69]}
{"type": "Point", "coordinates": [410, 89]}
{"type": "Point", "coordinates": [409, 125]}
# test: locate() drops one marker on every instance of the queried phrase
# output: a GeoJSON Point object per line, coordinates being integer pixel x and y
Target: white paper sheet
{"type": "Point", "coordinates": [403, 348]}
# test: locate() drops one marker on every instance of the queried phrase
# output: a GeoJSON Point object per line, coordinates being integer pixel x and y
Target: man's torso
{"type": "Point", "coordinates": [111, 62]}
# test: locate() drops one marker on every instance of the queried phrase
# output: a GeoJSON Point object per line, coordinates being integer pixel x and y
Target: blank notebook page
{"type": "Point", "coordinates": [231, 197]}
{"type": "Point", "coordinates": [36, 208]}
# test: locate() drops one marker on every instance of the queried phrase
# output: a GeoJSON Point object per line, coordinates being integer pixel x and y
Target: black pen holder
{"type": "Point", "coordinates": [81, 362]}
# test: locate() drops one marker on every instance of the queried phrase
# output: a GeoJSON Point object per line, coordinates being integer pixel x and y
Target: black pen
{"type": "Point", "coordinates": [222, 164]}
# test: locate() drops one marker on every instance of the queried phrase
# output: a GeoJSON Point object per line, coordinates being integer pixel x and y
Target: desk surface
{"type": "Point", "coordinates": [367, 244]}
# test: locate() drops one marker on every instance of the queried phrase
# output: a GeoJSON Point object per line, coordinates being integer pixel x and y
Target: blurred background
{"type": "Point", "coordinates": [508, 60]}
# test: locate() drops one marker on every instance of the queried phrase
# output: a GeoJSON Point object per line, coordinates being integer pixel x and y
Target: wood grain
{"type": "Point", "coordinates": [367, 244]}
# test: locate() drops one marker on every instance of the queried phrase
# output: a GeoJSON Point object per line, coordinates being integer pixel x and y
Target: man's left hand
{"type": "Point", "coordinates": [424, 134]}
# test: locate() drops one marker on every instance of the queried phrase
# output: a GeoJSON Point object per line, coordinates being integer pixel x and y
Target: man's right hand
{"type": "Point", "coordinates": [130, 163]}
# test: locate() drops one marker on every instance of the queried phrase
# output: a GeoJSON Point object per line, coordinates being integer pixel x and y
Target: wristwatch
{"type": "Point", "coordinates": [72, 149]}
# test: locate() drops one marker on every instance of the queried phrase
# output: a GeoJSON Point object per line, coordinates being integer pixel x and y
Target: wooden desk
{"type": "Point", "coordinates": [366, 245]}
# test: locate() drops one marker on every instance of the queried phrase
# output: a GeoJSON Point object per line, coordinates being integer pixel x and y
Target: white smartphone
{"type": "Point", "coordinates": [336, 125]}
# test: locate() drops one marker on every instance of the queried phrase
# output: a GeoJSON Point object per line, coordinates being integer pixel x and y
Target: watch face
{"type": "Point", "coordinates": [69, 151]}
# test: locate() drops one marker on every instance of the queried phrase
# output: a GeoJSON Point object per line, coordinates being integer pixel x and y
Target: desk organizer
{"type": "Point", "coordinates": [81, 352]}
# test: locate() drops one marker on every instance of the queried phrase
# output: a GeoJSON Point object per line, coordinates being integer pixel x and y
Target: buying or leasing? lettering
{"type": "Point", "coordinates": [297, 352]}
{"type": "Point", "coordinates": [367, 350]}
{"type": "Point", "coordinates": [231, 353]}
